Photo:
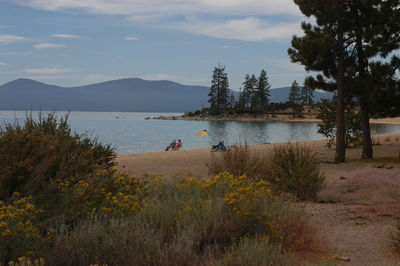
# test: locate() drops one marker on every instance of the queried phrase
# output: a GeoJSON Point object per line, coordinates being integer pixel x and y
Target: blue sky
{"type": "Point", "coordinates": [78, 42]}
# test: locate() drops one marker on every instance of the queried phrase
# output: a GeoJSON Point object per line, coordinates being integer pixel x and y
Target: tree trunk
{"type": "Point", "coordinates": [367, 152]}
{"type": "Point", "coordinates": [340, 155]}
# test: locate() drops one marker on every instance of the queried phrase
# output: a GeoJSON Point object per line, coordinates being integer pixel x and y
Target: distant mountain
{"type": "Point", "coordinates": [281, 95]}
{"type": "Point", "coordinates": [125, 95]}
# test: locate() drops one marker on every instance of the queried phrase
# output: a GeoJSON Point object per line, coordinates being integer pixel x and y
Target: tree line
{"type": "Point", "coordinates": [255, 94]}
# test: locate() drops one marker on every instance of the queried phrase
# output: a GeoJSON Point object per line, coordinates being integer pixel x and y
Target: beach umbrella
{"type": "Point", "coordinates": [203, 133]}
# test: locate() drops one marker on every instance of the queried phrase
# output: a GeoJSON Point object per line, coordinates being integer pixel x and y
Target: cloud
{"type": "Point", "coordinates": [247, 29]}
{"type": "Point", "coordinates": [9, 38]}
{"type": "Point", "coordinates": [131, 38]}
{"type": "Point", "coordinates": [48, 71]}
{"type": "Point", "coordinates": [250, 20]}
{"type": "Point", "coordinates": [66, 36]}
{"type": "Point", "coordinates": [169, 7]}
{"type": "Point", "coordinates": [48, 45]}
{"type": "Point", "coordinates": [2, 64]}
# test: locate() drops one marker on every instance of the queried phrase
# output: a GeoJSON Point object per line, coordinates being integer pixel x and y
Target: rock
{"type": "Point", "coordinates": [384, 166]}
{"type": "Point", "coordinates": [342, 178]}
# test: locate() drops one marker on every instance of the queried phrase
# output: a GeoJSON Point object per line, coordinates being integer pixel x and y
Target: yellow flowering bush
{"type": "Point", "coordinates": [16, 226]}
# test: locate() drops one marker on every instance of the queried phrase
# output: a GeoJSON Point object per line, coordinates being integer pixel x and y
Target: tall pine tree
{"type": "Point", "coordinates": [261, 92]}
{"type": "Point", "coordinates": [323, 49]}
{"type": "Point", "coordinates": [294, 98]}
{"type": "Point", "coordinates": [219, 91]}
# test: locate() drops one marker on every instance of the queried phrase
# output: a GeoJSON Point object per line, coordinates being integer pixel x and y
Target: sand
{"type": "Point", "coordinates": [356, 210]}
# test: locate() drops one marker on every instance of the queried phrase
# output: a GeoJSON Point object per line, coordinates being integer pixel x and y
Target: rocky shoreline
{"type": "Point", "coordinates": [242, 117]}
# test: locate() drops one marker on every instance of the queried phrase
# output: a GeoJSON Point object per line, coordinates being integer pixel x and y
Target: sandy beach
{"type": "Point", "coordinates": [355, 212]}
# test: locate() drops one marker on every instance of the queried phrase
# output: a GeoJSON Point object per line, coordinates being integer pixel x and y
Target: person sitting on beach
{"type": "Point", "coordinates": [219, 147]}
{"type": "Point", "coordinates": [178, 145]}
{"type": "Point", "coordinates": [171, 146]}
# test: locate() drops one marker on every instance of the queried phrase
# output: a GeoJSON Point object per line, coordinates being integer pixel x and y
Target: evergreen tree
{"type": "Point", "coordinates": [253, 86]}
{"type": "Point", "coordinates": [219, 91]}
{"type": "Point", "coordinates": [248, 89]}
{"type": "Point", "coordinates": [261, 93]}
{"type": "Point", "coordinates": [294, 98]}
{"type": "Point", "coordinates": [307, 96]}
{"type": "Point", "coordinates": [232, 101]}
{"type": "Point", "coordinates": [323, 49]}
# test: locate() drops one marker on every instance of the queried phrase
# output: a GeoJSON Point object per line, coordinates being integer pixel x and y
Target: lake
{"type": "Point", "coordinates": [132, 133]}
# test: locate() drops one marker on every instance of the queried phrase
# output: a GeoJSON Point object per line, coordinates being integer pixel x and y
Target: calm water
{"type": "Point", "coordinates": [131, 133]}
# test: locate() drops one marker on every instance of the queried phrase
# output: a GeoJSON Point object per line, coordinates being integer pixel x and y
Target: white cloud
{"type": "Point", "coordinates": [248, 29]}
{"type": "Point", "coordinates": [131, 38]}
{"type": "Point", "coordinates": [170, 7]}
{"type": "Point", "coordinates": [49, 71]}
{"type": "Point", "coordinates": [249, 20]}
{"type": "Point", "coordinates": [2, 64]}
{"type": "Point", "coordinates": [48, 45]}
{"type": "Point", "coordinates": [9, 38]}
{"type": "Point", "coordinates": [66, 36]}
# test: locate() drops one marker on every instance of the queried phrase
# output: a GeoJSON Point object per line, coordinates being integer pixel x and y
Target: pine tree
{"type": "Point", "coordinates": [219, 91]}
{"type": "Point", "coordinates": [248, 89]}
{"type": "Point", "coordinates": [232, 101]}
{"type": "Point", "coordinates": [261, 92]}
{"type": "Point", "coordinates": [294, 98]}
{"type": "Point", "coordinates": [323, 49]}
{"type": "Point", "coordinates": [307, 96]}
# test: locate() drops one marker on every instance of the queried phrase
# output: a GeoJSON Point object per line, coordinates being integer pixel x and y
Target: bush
{"type": "Point", "coordinates": [239, 160]}
{"type": "Point", "coordinates": [41, 153]}
{"type": "Point", "coordinates": [327, 127]}
{"type": "Point", "coordinates": [295, 169]}
{"type": "Point", "coordinates": [182, 221]}
{"type": "Point", "coordinates": [43, 150]}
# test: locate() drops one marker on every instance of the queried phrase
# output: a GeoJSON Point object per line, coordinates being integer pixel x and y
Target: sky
{"type": "Point", "coordinates": [78, 42]}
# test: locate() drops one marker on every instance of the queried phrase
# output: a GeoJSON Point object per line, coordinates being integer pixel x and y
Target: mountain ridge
{"type": "Point", "coordinates": [126, 95]}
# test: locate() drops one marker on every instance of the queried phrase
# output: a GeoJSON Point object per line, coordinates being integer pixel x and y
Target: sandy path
{"type": "Point", "coordinates": [356, 210]}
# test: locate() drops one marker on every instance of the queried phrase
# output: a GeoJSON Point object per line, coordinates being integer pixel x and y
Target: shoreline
{"type": "Point", "coordinates": [269, 118]}
{"type": "Point", "coordinates": [193, 161]}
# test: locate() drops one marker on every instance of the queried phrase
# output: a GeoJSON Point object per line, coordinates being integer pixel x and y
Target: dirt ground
{"type": "Point", "coordinates": [355, 212]}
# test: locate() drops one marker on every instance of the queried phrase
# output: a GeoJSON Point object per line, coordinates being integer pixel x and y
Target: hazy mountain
{"type": "Point", "coordinates": [128, 95]}
{"type": "Point", "coordinates": [281, 95]}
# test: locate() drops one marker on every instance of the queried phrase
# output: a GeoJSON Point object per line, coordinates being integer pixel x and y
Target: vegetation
{"type": "Point", "coordinates": [219, 92]}
{"type": "Point", "coordinates": [88, 214]}
{"type": "Point", "coordinates": [295, 169]}
{"type": "Point", "coordinates": [348, 48]}
{"type": "Point", "coordinates": [291, 168]}
{"type": "Point", "coordinates": [327, 114]}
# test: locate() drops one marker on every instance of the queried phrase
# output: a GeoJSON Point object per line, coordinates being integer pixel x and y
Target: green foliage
{"type": "Point", "coordinates": [327, 128]}
{"type": "Point", "coordinates": [295, 169]}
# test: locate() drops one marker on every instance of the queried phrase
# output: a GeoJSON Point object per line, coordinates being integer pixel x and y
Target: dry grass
{"type": "Point", "coordinates": [376, 189]}
{"type": "Point", "coordinates": [239, 160]}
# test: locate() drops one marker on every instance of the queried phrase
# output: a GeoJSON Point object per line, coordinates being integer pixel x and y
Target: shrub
{"type": "Point", "coordinates": [327, 127]}
{"type": "Point", "coordinates": [295, 169]}
{"type": "Point", "coordinates": [184, 221]}
{"type": "Point", "coordinates": [239, 160]}
{"type": "Point", "coordinates": [43, 150]}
